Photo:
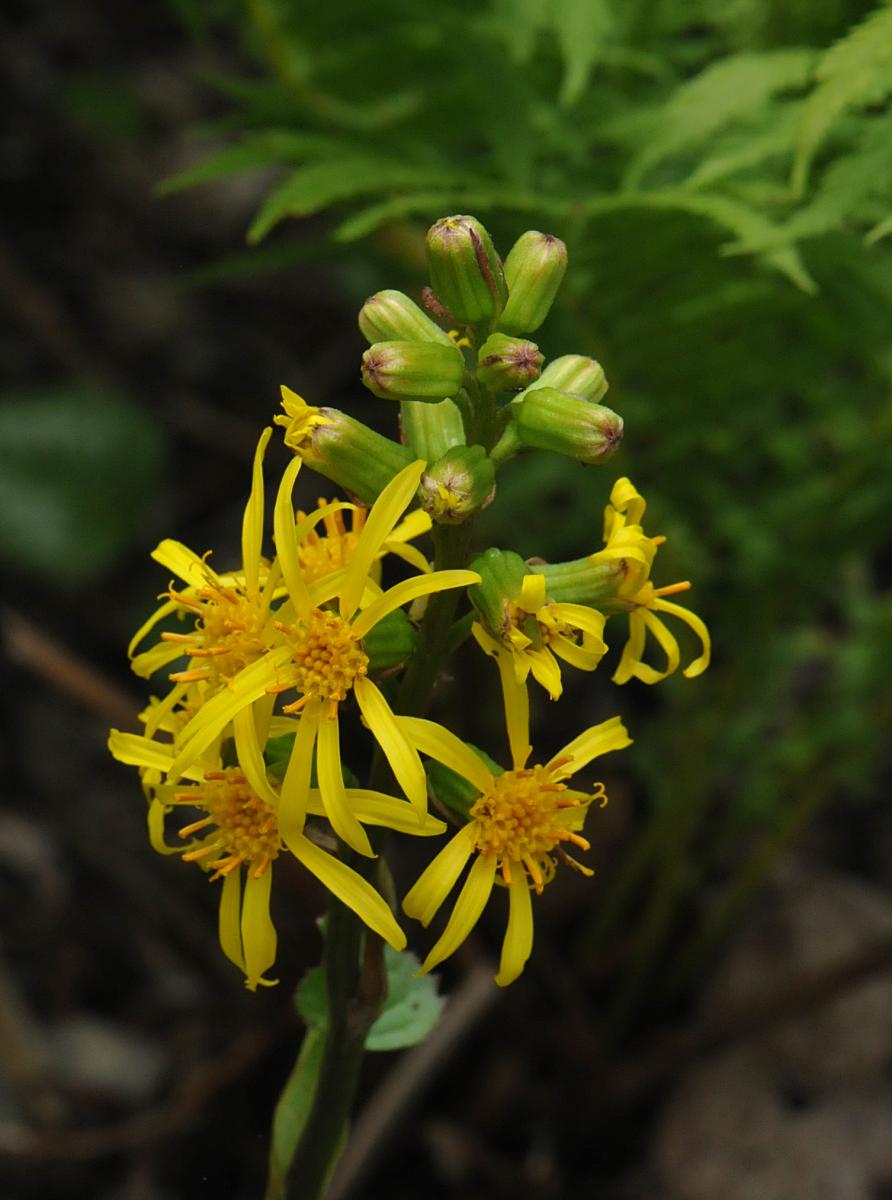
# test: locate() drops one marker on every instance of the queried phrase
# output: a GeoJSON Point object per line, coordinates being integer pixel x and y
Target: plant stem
{"type": "Point", "coordinates": [353, 962]}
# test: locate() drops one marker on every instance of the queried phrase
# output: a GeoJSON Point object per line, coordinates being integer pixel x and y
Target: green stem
{"type": "Point", "coordinates": [353, 962]}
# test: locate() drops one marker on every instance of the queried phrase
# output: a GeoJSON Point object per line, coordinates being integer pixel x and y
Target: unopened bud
{"type": "Point", "coordinates": [505, 364]}
{"type": "Point", "coordinates": [501, 580]}
{"type": "Point", "coordinates": [574, 373]}
{"type": "Point", "coordinates": [545, 419]}
{"type": "Point", "coordinates": [466, 273]}
{"type": "Point", "coordinates": [389, 642]}
{"type": "Point", "coordinates": [534, 270]}
{"type": "Point", "coordinates": [390, 316]}
{"type": "Point", "coordinates": [458, 485]}
{"type": "Point", "coordinates": [401, 370]}
{"type": "Point", "coordinates": [342, 449]}
{"type": "Point", "coordinates": [429, 430]}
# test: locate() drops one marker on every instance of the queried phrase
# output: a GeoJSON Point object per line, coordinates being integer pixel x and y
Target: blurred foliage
{"type": "Point", "coordinates": [722, 176]}
{"type": "Point", "coordinates": [77, 471]}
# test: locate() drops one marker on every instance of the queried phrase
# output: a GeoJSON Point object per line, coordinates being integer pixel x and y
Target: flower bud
{"type": "Point", "coordinates": [389, 642]}
{"type": "Point", "coordinates": [429, 430]}
{"type": "Point", "coordinates": [584, 581]}
{"type": "Point", "coordinates": [458, 485]}
{"type": "Point", "coordinates": [501, 580]}
{"type": "Point", "coordinates": [401, 370]}
{"type": "Point", "coordinates": [505, 364]}
{"type": "Point", "coordinates": [534, 270]}
{"type": "Point", "coordinates": [342, 449]}
{"type": "Point", "coordinates": [465, 271]}
{"type": "Point", "coordinates": [545, 419]}
{"type": "Point", "coordinates": [574, 373]}
{"type": "Point", "coordinates": [390, 316]}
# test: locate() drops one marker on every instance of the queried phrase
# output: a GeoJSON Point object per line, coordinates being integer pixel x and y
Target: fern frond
{"type": "Point", "coordinates": [856, 71]}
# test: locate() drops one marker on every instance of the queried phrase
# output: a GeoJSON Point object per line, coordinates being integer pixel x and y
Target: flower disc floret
{"type": "Point", "coordinates": [246, 829]}
{"type": "Point", "coordinates": [328, 657]}
{"type": "Point", "coordinates": [228, 634]}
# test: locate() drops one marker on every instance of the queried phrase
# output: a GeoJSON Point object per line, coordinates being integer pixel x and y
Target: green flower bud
{"type": "Point", "coordinates": [458, 485]}
{"type": "Point", "coordinates": [505, 364]}
{"type": "Point", "coordinates": [429, 430]}
{"type": "Point", "coordinates": [390, 316]}
{"type": "Point", "coordinates": [342, 449]}
{"type": "Point", "coordinates": [389, 642]}
{"type": "Point", "coordinates": [545, 419]}
{"type": "Point", "coordinates": [501, 579]}
{"type": "Point", "coordinates": [412, 370]}
{"type": "Point", "coordinates": [574, 373]}
{"type": "Point", "coordinates": [534, 270]}
{"type": "Point", "coordinates": [583, 581]}
{"type": "Point", "coordinates": [465, 271]}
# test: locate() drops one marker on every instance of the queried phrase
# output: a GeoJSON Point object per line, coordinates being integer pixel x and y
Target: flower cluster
{"type": "Point", "coordinates": [264, 663]}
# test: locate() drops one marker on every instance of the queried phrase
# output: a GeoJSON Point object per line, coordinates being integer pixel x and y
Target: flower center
{"type": "Point", "coordinates": [246, 829]}
{"type": "Point", "coordinates": [526, 816]}
{"type": "Point", "coordinates": [327, 657]}
{"type": "Point", "coordinates": [228, 632]}
{"type": "Point", "coordinates": [320, 556]}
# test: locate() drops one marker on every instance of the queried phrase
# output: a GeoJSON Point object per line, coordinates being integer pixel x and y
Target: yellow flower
{"type": "Point", "coordinates": [627, 544]}
{"type": "Point", "coordinates": [320, 554]}
{"type": "Point", "coordinates": [516, 832]}
{"type": "Point", "coordinates": [319, 653]}
{"type": "Point", "coordinates": [241, 835]}
{"type": "Point", "coordinates": [535, 633]}
{"type": "Point", "coordinates": [230, 612]}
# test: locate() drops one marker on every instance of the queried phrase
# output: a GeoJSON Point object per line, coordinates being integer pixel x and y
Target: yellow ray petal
{"type": "Point", "coordinates": [230, 918]}
{"type": "Point", "coordinates": [632, 651]}
{"type": "Point", "coordinates": [161, 655]}
{"type": "Point", "coordinates": [331, 785]}
{"type": "Point", "coordinates": [468, 907]}
{"type": "Point", "coordinates": [252, 521]}
{"type": "Point", "coordinates": [158, 615]}
{"type": "Point", "coordinates": [408, 590]}
{"type": "Point", "coordinates": [699, 665]}
{"type": "Point", "coordinates": [213, 717]}
{"type": "Point", "coordinates": [598, 740]}
{"type": "Point", "coordinates": [413, 525]}
{"type": "Point", "coordinates": [580, 616]}
{"type": "Point", "coordinates": [408, 553]}
{"type": "Point", "coordinates": [383, 516]}
{"type": "Point", "coordinates": [296, 784]}
{"type": "Point", "coordinates": [286, 543]}
{"type": "Point", "coordinates": [398, 749]}
{"type": "Point", "coordinates": [546, 671]}
{"type": "Point", "coordinates": [184, 563]}
{"type": "Point", "coordinates": [250, 756]}
{"type": "Point", "coordinates": [532, 593]}
{"type": "Point", "coordinates": [518, 941]}
{"type": "Point", "coordinates": [377, 808]}
{"type": "Point", "coordinates": [577, 656]}
{"type": "Point", "coordinates": [258, 931]}
{"type": "Point", "coordinates": [155, 821]}
{"type": "Point", "coordinates": [351, 889]}
{"type": "Point", "coordinates": [437, 742]}
{"type": "Point", "coordinates": [438, 878]}
{"type": "Point", "coordinates": [155, 716]}
{"type": "Point", "coordinates": [138, 751]}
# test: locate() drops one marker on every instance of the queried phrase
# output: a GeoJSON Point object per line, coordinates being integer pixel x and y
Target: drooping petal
{"type": "Point", "coordinates": [518, 941]}
{"type": "Point", "coordinates": [213, 717]}
{"type": "Point", "coordinates": [252, 521]}
{"type": "Point", "coordinates": [632, 651]}
{"type": "Point", "coordinates": [155, 821]}
{"type": "Point", "coordinates": [351, 889]}
{"type": "Point", "coordinates": [580, 616]}
{"type": "Point", "coordinates": [331, 785]}
{"type": "Point", "coordinates": [258, 931]}
{"type": "Point", "coordinates": [382, 518]}
{"type": "Point", "coordinates": [438, 879]}
{"type": "Point", "coordinates": [577, 656]}
{"type": "Point", "coordinates": [230, 918]}
{"type": "Point", "coordinates": [437, 742]}
{"type": "Point", "coordinates": [667, 643]}
{"type": "Point", "coordinates": [250, 756]}
{"type": "Point", "coordinates": [286, 543]}
{"type": "Point", "coordinates": [296, 784]}
{"type": "Point", "coordinates": [398, 749]}
{"type": "Point", "coordinates": [699, 665]}
{"type": "Point", "coordinates": [546, 671]}
{"type": "Point", "coordinates": [408, 590]}
{"type": "Point", "coordinates": [468, 907]}
{"type": "Point", "coordinates": [598, 740]}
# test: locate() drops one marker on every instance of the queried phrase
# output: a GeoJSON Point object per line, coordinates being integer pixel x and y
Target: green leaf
{"type": "Point", "coordinates": [293, 1109]}
{"type": "Point", "coordinates": [856, 71]}
{"type": "Point", "coordinates": [77, 472]}
{"type": "Point", "coordinates": [272, 147]}
{"type": "Point", "coordinates": [315, 187]}
{"type": "Point", "coordinates": [409, 1012]}
{"type": "Point", "coordinates": [582, 27]}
